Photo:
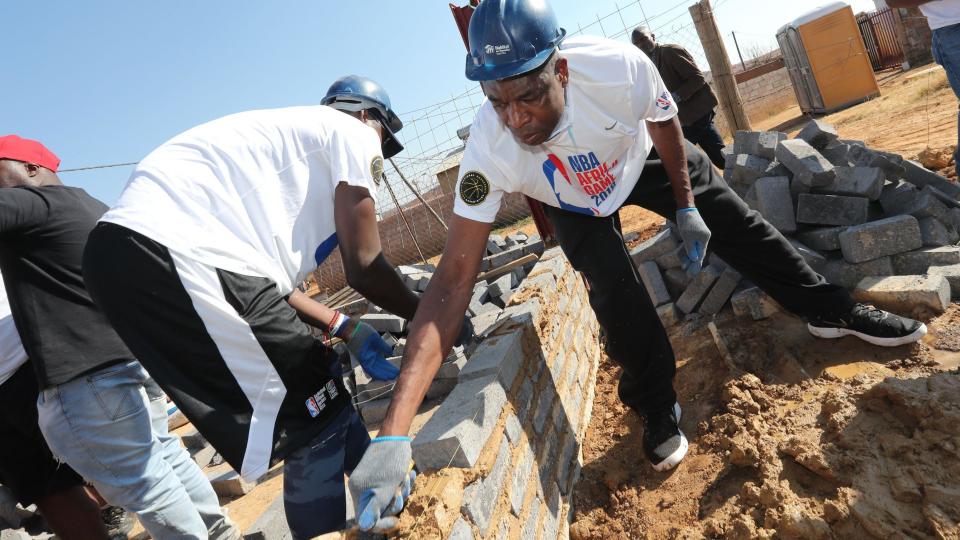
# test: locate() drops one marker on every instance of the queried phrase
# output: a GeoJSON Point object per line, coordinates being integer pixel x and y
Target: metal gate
{"type": "Point", "coordinates": [879, 31]}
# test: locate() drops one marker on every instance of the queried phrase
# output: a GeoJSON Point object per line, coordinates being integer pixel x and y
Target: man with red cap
{"type": "Point", "coordinates": [93, 410]}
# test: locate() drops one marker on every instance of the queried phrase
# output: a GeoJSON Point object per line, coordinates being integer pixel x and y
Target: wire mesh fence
{"type": "Point", "coordinates": [433, 137]}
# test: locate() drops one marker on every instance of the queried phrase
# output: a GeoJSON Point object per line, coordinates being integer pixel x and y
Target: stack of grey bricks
{"type": "Point", "coordinates": [858, 216]}
{"type": "Point", "coordinates": [486, 309]}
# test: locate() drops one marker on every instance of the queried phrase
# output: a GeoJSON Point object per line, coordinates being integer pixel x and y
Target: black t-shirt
{"type": "Point", "coordinates": [43, 231]}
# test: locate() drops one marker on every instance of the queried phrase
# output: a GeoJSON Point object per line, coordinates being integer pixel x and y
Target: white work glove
{"type": "Point", "coordinates": [381, 483]}
{"type": "Point", "coordinates": [695, 235]}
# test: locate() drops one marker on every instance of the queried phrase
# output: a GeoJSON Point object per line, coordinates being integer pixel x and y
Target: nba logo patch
{"type": "Point", "coordinates": [321, 399]}
{"type": "Point", "coordinates": [664, 101]}
{"type": "Point", "coordinates": [332, 390]}
{"type": "Point", "coordinates": [312, 407]}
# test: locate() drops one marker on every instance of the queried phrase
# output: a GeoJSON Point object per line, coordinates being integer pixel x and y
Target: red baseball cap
{"type": "Point", "coordinates": [28, 151]}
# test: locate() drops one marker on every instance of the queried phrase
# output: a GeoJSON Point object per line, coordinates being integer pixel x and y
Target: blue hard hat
{"type": "Point", "coordinates": [510, 38]}
{"type": "Point", "coordinates": [355, 93]}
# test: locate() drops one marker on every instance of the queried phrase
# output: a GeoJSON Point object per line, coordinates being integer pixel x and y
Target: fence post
{"type": "Point", "coordinates": [726, 84]}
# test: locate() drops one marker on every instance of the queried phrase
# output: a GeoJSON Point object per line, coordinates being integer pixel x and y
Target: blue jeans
{"type": "Point", "coordinates": [104, 426]}
{"type": "Point", "coordinates": [314, 493]}
{"type": "Point", "coordinates": [946, 52]}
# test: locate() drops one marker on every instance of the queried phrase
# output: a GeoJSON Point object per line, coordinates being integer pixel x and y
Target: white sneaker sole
{"type": "Point", "coordinates": [677, 456]}
{"type": "Point", "coordinates": [836, 333]}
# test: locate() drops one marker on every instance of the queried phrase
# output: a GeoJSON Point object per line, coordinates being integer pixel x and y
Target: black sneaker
{"type": "Point", "coordinates": [871, 325]}
{"type": "Point", "coordinates": [663, 441]}
{"type": "Point", "coordinates": [117, 521]}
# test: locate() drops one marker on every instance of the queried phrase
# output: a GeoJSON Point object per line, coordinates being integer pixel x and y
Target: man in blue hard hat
{"type": "Point", "coordinates": [196, 267]}
{"type": "Point", "coordinates": [574, 123]}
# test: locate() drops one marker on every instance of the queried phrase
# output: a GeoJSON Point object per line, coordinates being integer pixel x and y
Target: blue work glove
{"type": "Point", "coordinates": [371, 351]}
{"type": "Point", "coordinates": [695, 235]}
{"type": "Point", "coordinates": [381, 483]}
{"type": "Point", "coordinates": [675, 96]}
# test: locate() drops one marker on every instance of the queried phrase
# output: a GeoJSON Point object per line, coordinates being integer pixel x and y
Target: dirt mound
{"type": "Point", "coordinates": [936, 158]}
{"type": "Point", "coordinates": [801, 439]}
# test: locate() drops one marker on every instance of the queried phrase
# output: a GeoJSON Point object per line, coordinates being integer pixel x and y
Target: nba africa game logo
{"type": "Point", "coordinates": [593, 178]}
{"type": "Point", "coordinates": [664, 102]}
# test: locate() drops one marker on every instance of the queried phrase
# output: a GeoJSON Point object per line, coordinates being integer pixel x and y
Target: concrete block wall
{"type": "Point", "coordinates": [516, 420]}
{"type": "Point", "coordinates": [762, 96]}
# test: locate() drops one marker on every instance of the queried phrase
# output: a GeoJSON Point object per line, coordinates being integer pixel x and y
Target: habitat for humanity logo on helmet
{"type": "Point", "coordinates": [496, 49]}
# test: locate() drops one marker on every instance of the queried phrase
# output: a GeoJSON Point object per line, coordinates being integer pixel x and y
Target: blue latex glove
{"type": "Point", "coordinates": [371, 351]}
{"type": "Point", "coordinates": [695, 235]}
{"type": "Point", "coordinates": [382, 482]}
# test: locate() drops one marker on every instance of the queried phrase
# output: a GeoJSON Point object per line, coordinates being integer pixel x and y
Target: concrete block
{"type": "Point", "coordinates": [855, 182]}
{"type": "Point", "coordinates": [720, 293]}
{"type": "Point", "coordinates": [520, 480]}
{"type": "Point", "coordinates": [669, 260]}
{"type": "Point", "coordinates": [506, 256]}
{"type": "Point", "coordinates": [478, 505]}
{"type": "Point", "coordinates": [460, 427]}
{"type": "Point", "coordinates": [880, 238]}
{"type": "Point", "coordinates": [813, 258]}
{"type": "Point", "coordinates": [677, 281]}
{"type": "Point", "coordinates": [461, 531]}
{"type": "Point", "coordinates": [271, 525]}
{"type": "Point", "coordinates": [519, 238]}
{"type": "Point", "coordinates": [530, 526]}
{"type": "Point", "coordinates": [493, 248]}
{"type": "Point", "coordinates": [757, 143]}
{"type": "Point", "coordinates": [669, 315]}
{"type": "Point", "coordinates": [204, 456]}
{"type": "Point", "coordinates": [919, 176]}
{"type": "Point", "coordinates": [654, 247]}
{"type": "Point", "coordinates": [818, 134]}
{"type": "Point", "coordinates": [192, 439]}
{"type": "Point", "coordinates": [754, 303]}
{"type": "Point", "coordinates": [895, 195]}
{"type": "Point", "coordinates": [486, 321]}
{"type": "Point", "coordinates": [499, 356]}
{"type": "Point", "coordinates": [452, 366]}
{"type": "Point", "coordinates": [947, 200]}
{"type": "Point", "coordinates": [653, 281]}
{"type": "Point", "coordinates": [498, 240]}
{"type": "Point", "coordinates": [698, 289]}
{"type": "Point", "coordinates": [227, 483]}
{"type": "Point", "coordinates": [513, 429]}
{"type": "Point", "coordinates": [831, 209]}
{"type": "Point", "coordinates": [534, 246]}
{"type": "Point", "coordinates": [375, 410]}
{"type": "Point", "coordinates": [385, 322]}
{"type": "Point", "coordinates": [777, 169]}
{"type": "Point", "coordinates": [495, 482]}
{"type": "Point", "coordinates": [846, 274]}
{"type": "Point", "coordinates": [822, 239]}
{"type": "Point", "coordinates": [836, 153]}
{"type": "Point", "coordinates": [862, 156]}
{"type": "Point", "coordinates": [917, 262]}
{"type": "Point", "coordinates": [423, 282]}
{"type": "Point", "coordinates": [542, 412]}
{"type": "Point", "coordinates": [776, 204]}
{"type": "Point", "coordinates": [935, 233]}
{"type": "Point", "coordinates": [748, 168]}
{"type": "Point", "coordinates": [952, 275]}
{"type": "Point", "coordinates": [500, 286]}
{"type": "Point", "coordinates": [750, 197]}
{"type": "Point", "coordinates": [923, 205]}
{"type": "Point", "coordinates": [905, 293]}
{"type": "Point", "coordinates": [807, 165]}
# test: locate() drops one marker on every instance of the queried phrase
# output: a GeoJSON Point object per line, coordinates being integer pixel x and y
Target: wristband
{"type": "Point", "coordinates": [687, 209]}
{"type": "Point", "coordinates": [336, 324]}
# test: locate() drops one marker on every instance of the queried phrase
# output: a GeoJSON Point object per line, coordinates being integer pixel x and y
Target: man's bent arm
{"type": "Point", "coordinates": [438, 320]}
{"type": "Point", "coordinates": [367, 270]}
{"type": "Point", "coordinates": [686, 68]}
{"type": "Point", "coordinates": [668, 140]}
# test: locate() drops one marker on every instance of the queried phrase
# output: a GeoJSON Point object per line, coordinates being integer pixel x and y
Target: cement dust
{"type": "Point", "coordinates": [806, 439]}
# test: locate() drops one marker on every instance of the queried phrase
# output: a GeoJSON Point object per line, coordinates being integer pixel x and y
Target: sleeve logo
{"type": "Point", "coordinates": [664, 102]}
{"type": "Point", "coordinates": [474, 188]}
{"type": "Point", "coordinates": [376, 169]}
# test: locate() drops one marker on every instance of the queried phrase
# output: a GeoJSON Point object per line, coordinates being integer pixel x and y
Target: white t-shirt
{"type": "Point", "coordinates": [12, 355]}
{"type": "Point", "coordinates": [253, 192]}
{"type": "Point", "coordinates": [941, 13]}
{"type": "Point", "coordinates": [598, 150]}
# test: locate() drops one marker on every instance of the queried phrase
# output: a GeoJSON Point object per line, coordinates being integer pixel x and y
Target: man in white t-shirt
{"type": "Point", "coordinates": [196, 267]}
{"type": "Point", "coordinates": [943, 16]}
{"type": "Point", "coordinates": [574, 128]}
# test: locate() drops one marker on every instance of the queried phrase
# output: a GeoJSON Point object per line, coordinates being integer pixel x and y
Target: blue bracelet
{"type": "Point", "coordinates": [688, 209]}
{"type": "Point", "coordinates": [391, 439]}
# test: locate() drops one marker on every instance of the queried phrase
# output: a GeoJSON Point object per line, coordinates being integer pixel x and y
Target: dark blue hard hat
{"type": "Point", "coordinates": [510, 38]}
{"type": "Point", "coordinates": [355, 93]}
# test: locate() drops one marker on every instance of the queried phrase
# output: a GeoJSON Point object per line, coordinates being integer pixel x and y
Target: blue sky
{"type": "Point", "coordinates": [107, 81]}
